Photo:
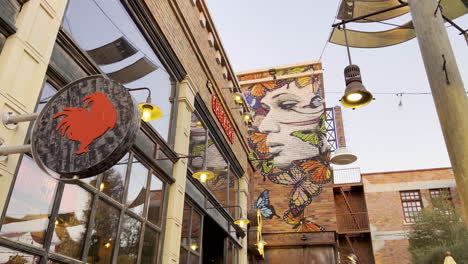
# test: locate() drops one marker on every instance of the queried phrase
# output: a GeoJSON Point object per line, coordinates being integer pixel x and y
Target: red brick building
{"type": "Point", "coordinates": [393, 199]}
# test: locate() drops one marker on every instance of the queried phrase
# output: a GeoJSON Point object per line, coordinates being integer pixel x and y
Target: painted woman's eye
{"type": "Point", "coordinates": [287, 105]}
{"type": "Point", "coordinates": [315, 102]}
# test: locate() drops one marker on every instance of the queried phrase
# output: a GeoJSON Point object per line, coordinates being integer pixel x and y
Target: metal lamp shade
{"type": "Point", "coordinates": [150, 112]}
{"type": "Point", "coordinates": [203, 175]}
{"type": "Point", "coordinates": [242, 222]}
{"type": "Point", "coordinates": [356, 95]}
{"type": "Point", "coordinates": [343, 156]}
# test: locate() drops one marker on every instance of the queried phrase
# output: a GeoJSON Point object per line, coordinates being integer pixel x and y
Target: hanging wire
{"type": "Point", "coordinates": [331, 31]}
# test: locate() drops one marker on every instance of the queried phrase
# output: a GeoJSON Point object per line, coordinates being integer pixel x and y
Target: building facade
{"type": "Point", "coordinates": [393, 200]}
{"type": "Point", "coordinates": [147, 208]}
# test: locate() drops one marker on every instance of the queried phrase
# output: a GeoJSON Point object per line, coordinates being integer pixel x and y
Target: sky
{"type": "Point", "coordinates": [384, 136]}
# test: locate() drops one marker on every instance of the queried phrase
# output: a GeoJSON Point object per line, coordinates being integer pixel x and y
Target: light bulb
{"type": "Point", "coordinates": [57, 222]}
{"type": "Point", "coordinates": [194, 247]}
{"type": "Point", "coordinates": [146, 115]}
{"type": "Point", "coordinates": [102, 187]}
{"type": "Point", "coordinates": [203, 177]}
{"type": "Point", "coordinates": [107, 245]}
{"type": "Point", "coordinates": [241, 224]}
{"type": "Point", "coordinates": [354, 97]}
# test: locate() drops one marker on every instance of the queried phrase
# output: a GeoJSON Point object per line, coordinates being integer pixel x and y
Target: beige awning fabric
{"type": "Point", "coordinates": [361, 39]}
{"type": "Point", "coordinates": [350, 9]}
{"type": "Point", "coordinates": [115, 51]}
{"type": "Point", "coordinates": [134, 71]}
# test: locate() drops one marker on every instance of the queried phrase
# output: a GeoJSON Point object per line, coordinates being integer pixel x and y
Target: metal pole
{"type": "Point", "coordinates": [7, 150]}
{"type": "Point", "coordinates": [347, 44]}
{"type": "Point", "coordinates": [447, 88]}
{"type": "Point", "coordinates": [10, 118]}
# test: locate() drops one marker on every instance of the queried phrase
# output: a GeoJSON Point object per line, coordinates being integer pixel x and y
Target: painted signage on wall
{"type": "Point", "coordinates": [288, 143]}
{"type": "Point", "coordinates": [85, 128]}
{"type": "Point", "coordinates": [222, 117]}
{"type": "Point", "coordinates": [339, 128]}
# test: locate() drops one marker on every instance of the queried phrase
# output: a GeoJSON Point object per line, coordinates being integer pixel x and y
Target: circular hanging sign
{"type": "Point", "coordinates": [86, 128]}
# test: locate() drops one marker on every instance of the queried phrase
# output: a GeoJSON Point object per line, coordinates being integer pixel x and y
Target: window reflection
{"type": "Point", "coordinates": [10, 256]}
{"type": "Point", "coordinates": [113, 179]}
{"type": "Point", "coordinates": [149, 252]}
{"type": "Point", "coordinates": [155, 200]}
{"type": "Point", "coordinates": [71, 223]}
{"type": "Point", "coordinates": [129, 240]}
{"type": "Point", "coordinates": [219, 166]}
{"type": "Point", "coordinates": [186, 225]}
{"type": "Point", "coordinates": [118, 47]}
{"type": "Point", "coordinates": [30, 205]}
{"type": "Point", "coordinates": [137, 187]}
{"type": "Point", "coordinates": [233, 194]}
{"type": "Point", "coordinates": [183, 256]}
{"type": "Point", "coordinates": [197, 143]}
{"type": "Point", "coordinates": [103, 234]}
{"type": "Point", "coordinates": [195, 231]}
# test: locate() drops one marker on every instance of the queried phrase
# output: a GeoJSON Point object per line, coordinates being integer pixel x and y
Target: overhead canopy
{"type": "Point", "coordinates": [361, 39]}
{"type": "Point", "coordinates": [350, 9]}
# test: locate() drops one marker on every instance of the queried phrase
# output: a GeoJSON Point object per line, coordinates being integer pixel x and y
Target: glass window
{"type": "Point", "coordinates": [225, 185]}
{"type": "Point", "coordinates": [412, 204]}
{"type": "Point", "coordinates": [10, 256]}
{"type": "Point", "coordinates": [136, 195]}
{"type": "Point", "coordinates": [149, 254]}
{"type": "Point", "coordinates": [111, 38]}
{"type": "Point", "coordinates": [30, 205]}
{"type": "Point", "coordinates": [155, 200]}
{"type": "Point", "coordinates": [104, 233]}
{"type": "Point", "coordinates": [129, 240]}
{"type": "Point", "coordinates": [198, 136]}
{"type": "Point", "coordinates": [191, 235]}
{"type": "Point", "coordinates": [113, 180]}
{"type": "Point", "coordinates": [71, 222]}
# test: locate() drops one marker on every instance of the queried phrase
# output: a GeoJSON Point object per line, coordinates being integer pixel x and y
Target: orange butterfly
{"type": "Point", "coordinates": [259, 140]}
{"type": "Point", "coordinates": [259, 89]}
{"type": "Point", "coordinates": [301, 223]}
{"type": "Point", "coordinates": [320, 171]}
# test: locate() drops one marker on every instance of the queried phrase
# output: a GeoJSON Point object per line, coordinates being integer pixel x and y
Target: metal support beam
{"type": "Point", "coordinates": [7, 150]}
{"type": "Point", "coordinates": [11, 120]}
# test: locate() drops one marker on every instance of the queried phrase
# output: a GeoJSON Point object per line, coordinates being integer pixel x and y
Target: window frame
{"type": "Point", "coordinates": [410, 219]}
{"type": "Point", "coordinates": [193, 208]}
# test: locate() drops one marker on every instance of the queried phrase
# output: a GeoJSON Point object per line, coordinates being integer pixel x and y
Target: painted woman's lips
{"type": "Point", "coordinates": [275, 147]}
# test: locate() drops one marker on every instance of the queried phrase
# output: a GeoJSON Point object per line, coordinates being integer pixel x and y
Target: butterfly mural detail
{"type": "Point", "coordinates": [301, 223]}
{"type": "Point", "coordinates": [304, 188]}
{"type": "Point", "coordinates": [263, 204]}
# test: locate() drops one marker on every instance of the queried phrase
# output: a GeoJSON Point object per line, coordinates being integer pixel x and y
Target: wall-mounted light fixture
{"type": "Point", "coordinates": [247, 116]}
{"type": "Point", "coordinates": [238, 98]}
{"type": "Point", "coordinates": [149, 112]}
{"type": "Point", "coordinates": [241, 221]}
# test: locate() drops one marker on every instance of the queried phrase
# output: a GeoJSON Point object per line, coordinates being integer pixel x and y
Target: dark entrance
{"type": "Point", "coordinates": [213, 242]}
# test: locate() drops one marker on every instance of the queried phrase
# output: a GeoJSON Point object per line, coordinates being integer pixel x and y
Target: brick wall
{"type": "Point", "coordinates": [179, 20]}
{"type": "Point", "coordinates": [382, 194]}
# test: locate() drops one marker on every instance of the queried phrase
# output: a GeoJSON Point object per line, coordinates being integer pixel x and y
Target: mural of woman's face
{"type": "Point", "coordinates": [290, 109]}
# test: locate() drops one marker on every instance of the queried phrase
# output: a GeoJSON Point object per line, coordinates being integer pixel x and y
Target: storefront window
{"type": "Point", "coordinates": [225, 185]}
{"type": "Point", "coordinates": [106, 31]}
{"type": "Point", "coordinates": [129, 240]}
{"type": "Point", "coordinates": [137, 187]}
{"type": "Point", "coordinates": [30, 205]}
{"type": "Point", "coordinates": [12, 256]}
{"type": "Point", "coordinates": [150, 243]}
{"type": "Point", "coordinates": [71, 222]}
{"type": "Point", "coordinates": [114, 179]}
{"type": "Point", "coordinates": [155, 200]}
{"type": "Point", "coordinates": [104, 233]}
{"type": "Point", "coordinates": [191, 234]}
